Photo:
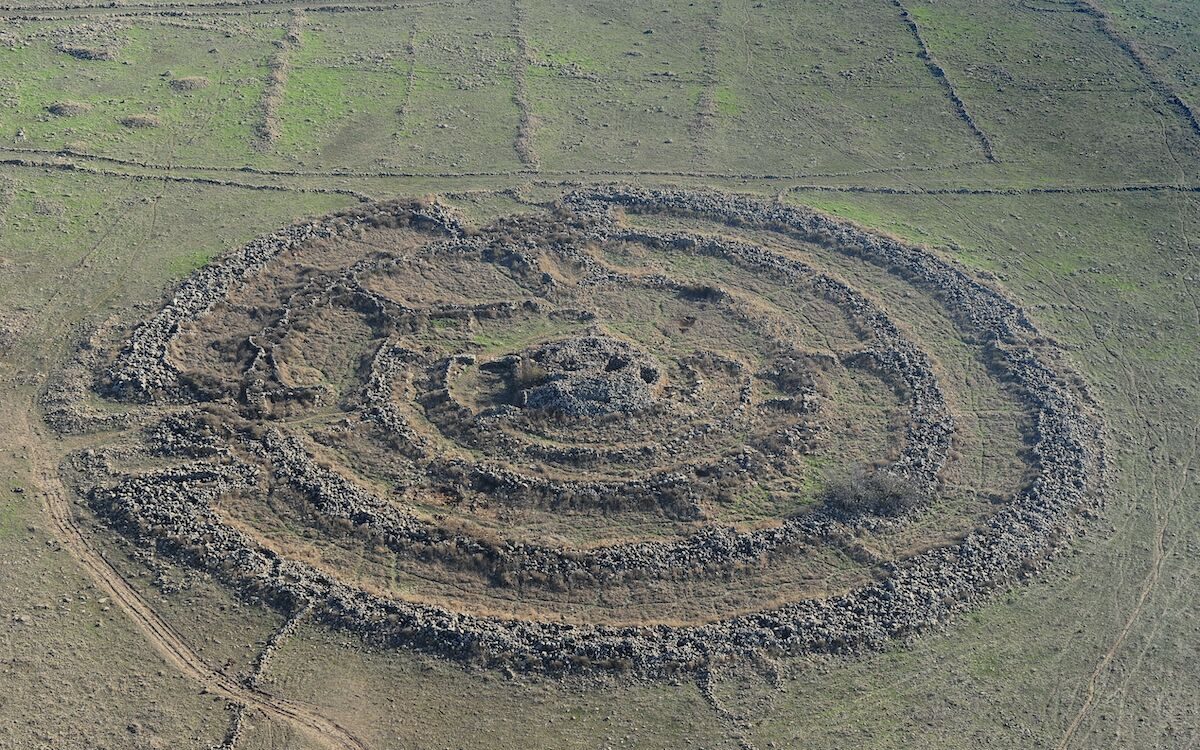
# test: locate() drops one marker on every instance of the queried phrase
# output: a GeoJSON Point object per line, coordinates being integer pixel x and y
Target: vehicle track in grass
{"type": "Point", "coordinates": [1161, 513]}
{"type": "Point", "coordinates": [165, 639]}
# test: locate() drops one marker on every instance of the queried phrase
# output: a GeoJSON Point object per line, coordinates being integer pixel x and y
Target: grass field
{"type": "Point", "coordinates": [1088, 215]}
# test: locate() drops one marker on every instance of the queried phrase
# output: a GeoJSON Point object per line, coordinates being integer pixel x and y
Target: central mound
{"type": "Point", "coordinates": [641, 430]}
{"type": "Point", "coordinates": [586, 376]}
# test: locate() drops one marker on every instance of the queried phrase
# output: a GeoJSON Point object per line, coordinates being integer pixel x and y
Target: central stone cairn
{"type": "Point", "coordinates": [499, 433]}
{"type": "Point", "coordinates": [588, 376]}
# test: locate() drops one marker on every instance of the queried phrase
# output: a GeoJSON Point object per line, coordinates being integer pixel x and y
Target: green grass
{"type": "Point", "coordinates": [330, 105]}
{"type": "Point", "coordinates": [727, 101]}
{"type": "Point", "coordinates": [516, 336]}
{"type": "Point", "coordinates": [1167, 33]}
{"type": "Point", "coordinates": [635, 109]}
{"type": "Point", "coordinates": [210, 125]}
{"type": "Point", "coordinates": [828, 88]}
{"type": "Point", "coordinates": [180, 267]}
{"type": "Point", "coordinates": [1056, 96]}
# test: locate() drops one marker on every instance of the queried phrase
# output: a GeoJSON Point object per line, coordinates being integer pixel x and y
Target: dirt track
{"type": "Point", "coordinates": [1161, 512]}
{"type": "Point", "coordinates": [164, 638]}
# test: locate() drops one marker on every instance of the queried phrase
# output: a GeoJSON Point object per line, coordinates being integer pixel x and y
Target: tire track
{"type": "Point", "coordinates": [254, 677]}
{"type": "Point", "coordinates": [1148, 584]}
{"type": "Point", "coordinates": [1157, 553]}
{"type": "Point", "coordinates": [161, 635]}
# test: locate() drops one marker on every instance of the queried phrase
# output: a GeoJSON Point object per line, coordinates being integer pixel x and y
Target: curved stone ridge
{"type": "Point", "coordinates": [577, 407]}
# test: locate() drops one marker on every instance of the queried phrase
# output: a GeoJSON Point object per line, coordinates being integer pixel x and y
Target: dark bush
{"type": "Point", "coordinates": [529, 373]}
{"type": "Point", "coordinates": [872, 492]}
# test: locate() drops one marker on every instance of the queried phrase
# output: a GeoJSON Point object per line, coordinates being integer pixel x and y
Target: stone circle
{"type": "Point", "coordinates": [602, 436]}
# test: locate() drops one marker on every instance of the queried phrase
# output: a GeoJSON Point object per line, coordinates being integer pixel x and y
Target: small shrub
{"type": "Point", "coordinates": [866, 492]}
{"type": "Point", "coordinates": [702, 293]}
{"type": "Point", "coordinates": [529, 373]}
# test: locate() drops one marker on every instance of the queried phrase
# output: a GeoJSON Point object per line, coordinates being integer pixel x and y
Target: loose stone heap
{"type": "Point", "coordinates": [583, 421]}
{"type": "Point", "coordinates": [587, 377]}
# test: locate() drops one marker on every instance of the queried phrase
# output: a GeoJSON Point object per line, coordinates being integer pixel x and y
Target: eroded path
{"type": "Point", "coordinates": [161, 635]}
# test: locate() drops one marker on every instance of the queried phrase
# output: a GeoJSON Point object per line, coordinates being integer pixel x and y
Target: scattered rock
{"type": "Point", "coordinates": [189, 83]}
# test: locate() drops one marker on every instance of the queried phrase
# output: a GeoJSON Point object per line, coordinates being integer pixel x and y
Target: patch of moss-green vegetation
{"type": "Point", "coordinates": [209, 125]}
